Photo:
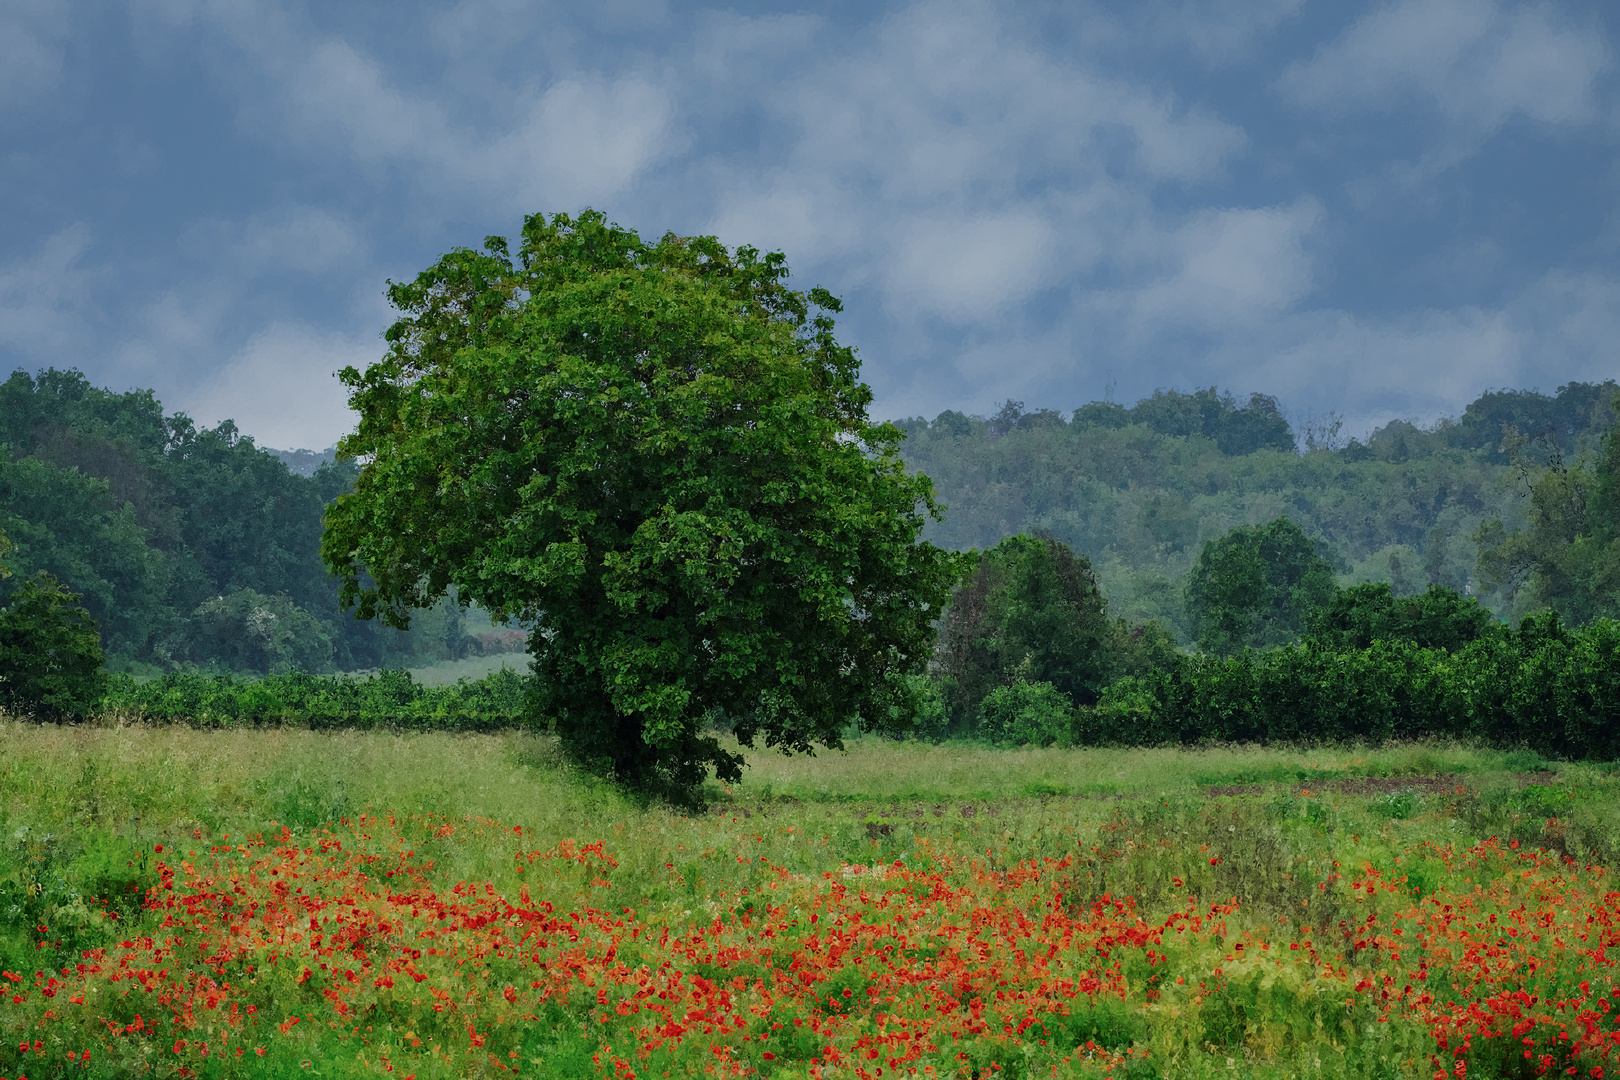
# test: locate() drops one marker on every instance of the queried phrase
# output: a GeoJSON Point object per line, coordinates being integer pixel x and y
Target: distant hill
{"type": "Point", "coordinates": [304, 462]}
{"type": "Point", "coordinates": [1140, 488]}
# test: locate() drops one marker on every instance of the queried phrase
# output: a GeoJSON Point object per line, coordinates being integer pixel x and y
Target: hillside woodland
{"type": "Point", "coordinates": [1141, 489]}
{"type": "Point", "coordinates": [188, 546]}
{"type": "Point", "coordinates": [194, 549]}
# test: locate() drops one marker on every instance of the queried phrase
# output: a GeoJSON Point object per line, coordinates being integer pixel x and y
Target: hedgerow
{"type": "Point", "coordinates": [1543, 686]}
{"type": "Point", "coordinates": [387, 699]}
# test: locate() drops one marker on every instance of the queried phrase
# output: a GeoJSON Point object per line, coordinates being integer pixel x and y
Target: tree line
{"type": "Point", "coordinates": [1140, 489]}
{"type": "Point", "coordinates": [656, 458]}
{"type": "Point", "coordinates": [188, 546]}
{"type": "Point", "coordinates": [1283, 647]}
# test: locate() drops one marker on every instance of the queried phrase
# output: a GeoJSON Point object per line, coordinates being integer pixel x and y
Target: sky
{"type": "Point", "coordinates": [1378, 210]}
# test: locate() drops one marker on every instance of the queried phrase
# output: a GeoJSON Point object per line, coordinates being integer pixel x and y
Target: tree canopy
{"type": "Point", "coordinates": [1567, 555]}
{"type": "Point", "coordinates": [1139, 488]}
{"type": "Point", "coordinates": [157, 524]}
{"type": "Point", "coordinates": [1438, 618]}
{"type": "Point", "coordinates": [658, 457]}
{"type": "Point", "coordinates": [1031, 612]}
{"type": "Point", "coordinates": [1256, 586]}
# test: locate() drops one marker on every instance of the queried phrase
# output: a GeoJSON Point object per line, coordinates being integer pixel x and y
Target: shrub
{"type": "Point", "coordinates": [1543, 686]}
{"type": "Point", "coordinates": [50, 653]}
{"type": "Point", "coordinates": [1026, 713]}
{"type": "Point", "coordinates": [389, 699]}
{"type": "Point", "coordinates": [1440, 618]}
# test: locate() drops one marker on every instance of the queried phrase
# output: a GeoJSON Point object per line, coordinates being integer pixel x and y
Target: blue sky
{"type": "Point", "coordinates": [1379, 209]}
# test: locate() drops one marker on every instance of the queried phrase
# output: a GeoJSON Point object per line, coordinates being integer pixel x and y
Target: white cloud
{"type": "Point", "coordinates": [965, 271]}
{"type": "Point", "coordinates": [583, 142]}
{"type": "Point", "coordinates": [1423, 364]}
{"type": "Point", "coordinates": [43, 296]}
{"type": "Point", "coordinates": [574, 141]}
{"type": "Point", "coordinates": [281, 387]}
{"type": "Point", "coordinates": [1219, 32]}
{"type": "Point", "coordinates": [300, 239]}
{"type": "Point", "coordinates": [1477, 61]}
{"type": "Point", "coordinates": [335, 91]}
{"type": "Point", "coordinates": [1232, 267]}
{"type": "Point", "coordinates": [960, 169]}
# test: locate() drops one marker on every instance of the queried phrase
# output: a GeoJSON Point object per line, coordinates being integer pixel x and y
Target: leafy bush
{"type": "Point", "coordinates": [1543, 686]}
{"type": "Point", "coordinates": [1440, 618]}
{"type": "Point", "coordinates": [389, 699]}
{"type": "Point", "coordinates": [249, 631]}
{"type": "Point", "coordinates": [50, 653]}
{"type": "Point", "coordinates": [1027, 713]}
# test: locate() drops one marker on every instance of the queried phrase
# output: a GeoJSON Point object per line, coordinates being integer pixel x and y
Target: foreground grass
{"type": "Point", "coordinates": [956, 892]}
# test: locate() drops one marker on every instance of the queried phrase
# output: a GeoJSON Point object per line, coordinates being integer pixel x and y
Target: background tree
{"type": "Point", "coordinates": [249, 631]}
{"type": "Point", "coordinates": [1031, 612]}
{"type": "Point", "coordinates": [1403, 502]}
{"type": "Point", "coordinates": [1566, 557]}
{"type": "Point", "coordinates": [1439, 618]}
{"type": "Point", "coordinates": [67, 525]}
{"type": "Point", "coordinates": [657, 456]}
{"type": "Point", "coordinates": [50, 654]}
{"type": "Point", "coordinates": [146, 517]}
{"type": "Point", "coordinates": [1255, 586]}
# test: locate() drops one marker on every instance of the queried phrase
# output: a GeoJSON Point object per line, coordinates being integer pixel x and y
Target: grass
{"type": "Point", "coordinates": [1275, 834]}
{"type": "Point", "coordinates": [879, 769]}
{"type": "Point", "coordinates": [449, 672]}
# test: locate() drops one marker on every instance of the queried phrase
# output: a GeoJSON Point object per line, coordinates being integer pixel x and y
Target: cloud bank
{"type": "Point", "coordinates": [1382, 209]}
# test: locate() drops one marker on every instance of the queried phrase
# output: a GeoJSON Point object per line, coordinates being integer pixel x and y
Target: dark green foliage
{"type": "Point", "coordinates": [1031, 612]}
{"type": "Point", "coordinates": [1571, 416]}
{"type": "Point", "coordinates": [249, 631]}
{"type": "Point", "coordinates": [1256, 586]}
{"type": "Point", "coordinates": [1543, 686]}
{"type": "Point", "coordinates": [950, 423]}
{"type": "Point", "coordinates": [1401, 506]}
{"type": "Point", "coordinates": [1439, 618]}
{"type": "Point", "coordinates": [388, 699]}
{"type": "Point", "coordinates": [1567, 555]}
{"type": "Point", "coordinates": [1235, 429]}
{"type": "Point", "coordinates": [67, 524]}
{"type": "Point", "coordinates": [50, 654]}
{"type": "Point", "coordinates": [1026, 714]}
{"type": "Point", "coordinates": [147, 517]}
{"type": "Point", "coordinates": [658, 456]}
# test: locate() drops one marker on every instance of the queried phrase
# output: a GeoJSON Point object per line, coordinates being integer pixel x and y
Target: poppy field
{"type": "Point", "coordinates": [245, 904]}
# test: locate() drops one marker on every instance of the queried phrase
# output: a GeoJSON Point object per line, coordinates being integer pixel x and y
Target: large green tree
{"type": "Point", "coordinates": [658, 457]}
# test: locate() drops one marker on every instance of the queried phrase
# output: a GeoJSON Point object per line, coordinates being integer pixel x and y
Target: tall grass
{"type": "Point", "coordinates": [170, 784]}
{"type": "Point", "coordinates": [1269, 829]}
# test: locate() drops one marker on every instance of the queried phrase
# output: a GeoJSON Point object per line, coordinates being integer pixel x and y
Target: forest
{"type": "Point", "coordinates": [179, 540]}
{"type": "Point", "coordinates": [190, 547]}
{"type": "Point", "coordinates": [1140, 489]}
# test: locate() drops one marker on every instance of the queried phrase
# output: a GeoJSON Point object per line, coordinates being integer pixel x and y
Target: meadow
{"type": "Point", "coordinates": [282, 902]}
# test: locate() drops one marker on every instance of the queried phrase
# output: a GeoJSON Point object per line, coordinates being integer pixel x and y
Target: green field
{"type": "Point", "coordinates": [944, 866]}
